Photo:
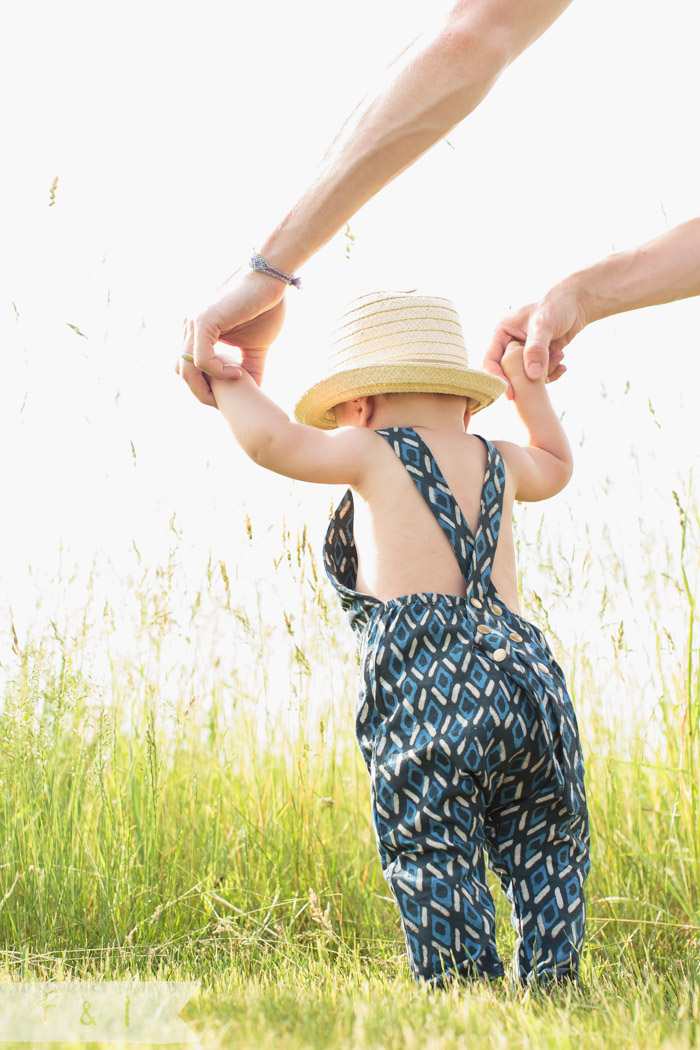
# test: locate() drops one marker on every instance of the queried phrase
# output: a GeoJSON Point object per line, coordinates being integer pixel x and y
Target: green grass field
{"type": "Point", "coordinates": [183, 799]}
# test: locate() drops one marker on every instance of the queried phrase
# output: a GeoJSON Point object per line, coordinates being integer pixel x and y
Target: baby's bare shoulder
{"type": "Point", "coordinates": [513, 457]}
{"type": "Point", "coordinates": [508, 449]}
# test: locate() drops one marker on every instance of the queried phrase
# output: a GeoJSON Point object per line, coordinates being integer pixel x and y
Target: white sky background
{"type": "Point", "coordinates": [179, 136]}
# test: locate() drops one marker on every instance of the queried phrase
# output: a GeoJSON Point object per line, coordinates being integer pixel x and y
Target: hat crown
{"type": "Point", "coordinates": [392, 328]}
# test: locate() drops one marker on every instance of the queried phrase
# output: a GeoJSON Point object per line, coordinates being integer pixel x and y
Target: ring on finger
{"type": "Point", "coordinates": [187, 357]}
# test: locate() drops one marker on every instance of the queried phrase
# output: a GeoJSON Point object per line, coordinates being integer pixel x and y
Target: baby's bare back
{"type": "Point", "coordinates": [401, 547]}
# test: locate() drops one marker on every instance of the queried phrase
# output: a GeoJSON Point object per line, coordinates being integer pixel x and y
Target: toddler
{"type": "Point", "coordinates": [463, 717]}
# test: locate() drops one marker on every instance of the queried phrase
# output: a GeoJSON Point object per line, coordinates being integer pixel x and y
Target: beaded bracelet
{"type": "Point", "coordinates": [258, 263]}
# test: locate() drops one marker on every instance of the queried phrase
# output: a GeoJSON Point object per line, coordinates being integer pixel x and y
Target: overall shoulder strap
{"type": "Point", "coordinates": [490, 514]}
{"type": "Point", "coordinates": [430, 482]}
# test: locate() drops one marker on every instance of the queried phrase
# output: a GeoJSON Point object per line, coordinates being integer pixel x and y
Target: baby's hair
{"type": "Point", "coordinates": [393, 394]}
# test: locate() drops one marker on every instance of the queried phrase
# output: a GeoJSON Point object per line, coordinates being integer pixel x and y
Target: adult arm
{"type": "Point", "coordinates": [428, 89]}
{"type": "Point", "coordinates": [659, 271]}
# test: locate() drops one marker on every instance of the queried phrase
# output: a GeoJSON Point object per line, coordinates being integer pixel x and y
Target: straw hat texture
{"type": "Point", "coordinates": [393, 342]}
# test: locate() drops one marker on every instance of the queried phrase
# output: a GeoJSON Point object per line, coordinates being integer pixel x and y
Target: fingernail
{"type": "Point", "coordinates": [534, 370]}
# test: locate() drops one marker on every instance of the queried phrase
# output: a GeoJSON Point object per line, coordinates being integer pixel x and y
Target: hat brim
{"type": "Point", "coordinates": [315, 407]}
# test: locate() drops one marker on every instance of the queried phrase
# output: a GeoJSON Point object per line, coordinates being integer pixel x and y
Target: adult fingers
{"type": "Point", "coordinates": [492, 359]}
{"type": "Point", "coordinates": [536, 354]}
{"type": "Point", "coordinates": [206, 332]}
{"type": "Point", "coordinates": [195, 379]}
{"type": "Point", "coordinates": [198, 383]}
{"type": "Point", "coordinates": [556, 374]}
{"type": "Point", "coordinates": [253, 360]}
{"type": "Point", "coordinates": [495, 351]}
{"type": "Point", "coordinates": [556, 357]}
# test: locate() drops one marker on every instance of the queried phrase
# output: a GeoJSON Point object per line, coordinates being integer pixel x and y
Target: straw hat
{"type": "Point", "coordinates": [392, 342]}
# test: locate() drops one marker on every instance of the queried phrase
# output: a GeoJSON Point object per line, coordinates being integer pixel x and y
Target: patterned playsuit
{"type": "Point", "coordinates": [471, 741]}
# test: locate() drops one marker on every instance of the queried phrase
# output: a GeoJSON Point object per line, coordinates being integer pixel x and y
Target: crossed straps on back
{"type": "Point", "coordinates": [475, 554]}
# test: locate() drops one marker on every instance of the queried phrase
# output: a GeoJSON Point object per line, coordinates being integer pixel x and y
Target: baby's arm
{"type": "Point", "coordinates": [544, 467]}
{"type": "Point", "coordinates": [268, 436]}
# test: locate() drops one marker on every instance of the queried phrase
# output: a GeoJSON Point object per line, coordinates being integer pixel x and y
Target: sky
{"type": "Point", "coordinates": [151, 146]}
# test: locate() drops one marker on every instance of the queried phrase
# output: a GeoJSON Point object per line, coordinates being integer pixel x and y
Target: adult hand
{"type": "Point", "coordinates": [247, 313]}
{"type": "Point", "coordinates": [545, 328]}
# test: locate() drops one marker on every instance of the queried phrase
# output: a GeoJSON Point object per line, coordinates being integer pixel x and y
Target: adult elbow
{"type": "Point", "coordinates": [479, 51]}
{"type": "Point", "coordinates": [502, 29]}
{"type": "Point", "coordinates": [482, 32]}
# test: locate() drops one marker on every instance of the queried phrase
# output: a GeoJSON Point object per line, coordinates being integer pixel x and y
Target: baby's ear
{"type": "Point", "coordinates": [365, 408]}
{"type": "Point", "coordinates": [352, 413]}
{"type": "Point", "coordinates": [467, 415]}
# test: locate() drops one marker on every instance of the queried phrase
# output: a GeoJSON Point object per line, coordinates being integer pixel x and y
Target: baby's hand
{"type": "Point", "coordinates": [513, 363]}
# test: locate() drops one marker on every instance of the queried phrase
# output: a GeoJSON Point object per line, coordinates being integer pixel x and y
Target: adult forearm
{"type": "Point", "coordinates": [660, 271]}
{"type": "Point", "coordinates": [433, 85]}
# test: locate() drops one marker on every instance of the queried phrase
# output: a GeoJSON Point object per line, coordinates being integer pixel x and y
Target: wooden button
{"type": "Point", "coordinates": [544, 669]}
{"type": "Point", "coordinates": [483, 629]}
{"type": "Point", "coordinates": [476, 603]}
{"type": "Point", "coordinates": [515, 637]}
{"type": "Point", "coordinates": [500, 655]}
{"type": "Point", "coordinates": [497, 610]}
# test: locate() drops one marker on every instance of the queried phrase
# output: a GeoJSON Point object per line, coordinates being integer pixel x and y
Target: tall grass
{"type": "Point", "coordinates": [182, 796]}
